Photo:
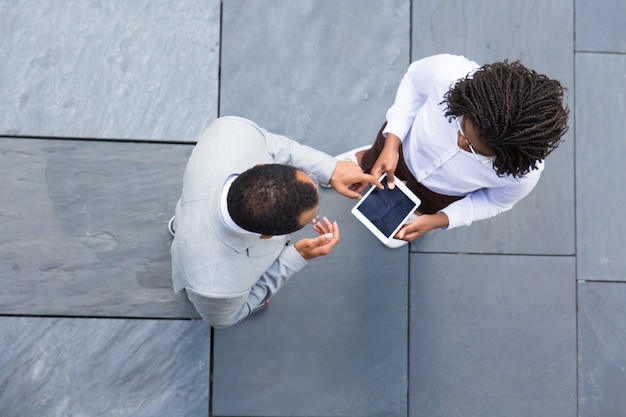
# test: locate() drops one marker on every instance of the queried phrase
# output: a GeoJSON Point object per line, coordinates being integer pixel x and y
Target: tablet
{"type": "Point", "coordinates": [384, 212]}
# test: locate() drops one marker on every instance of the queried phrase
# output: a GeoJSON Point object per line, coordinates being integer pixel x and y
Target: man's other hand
{"type": "Point", "coordinates": [321, 245]}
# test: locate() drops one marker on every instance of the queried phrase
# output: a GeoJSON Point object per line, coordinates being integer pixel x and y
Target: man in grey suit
{"type": "Point", "coordinates": [244, 190]}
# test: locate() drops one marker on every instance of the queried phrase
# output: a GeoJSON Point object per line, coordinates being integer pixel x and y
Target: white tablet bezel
{"type": "Point", "coordinates": [372, 228]}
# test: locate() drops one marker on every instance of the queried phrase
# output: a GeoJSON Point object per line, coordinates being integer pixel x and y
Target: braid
{"type": "Point", "coordinates": [519, 113]}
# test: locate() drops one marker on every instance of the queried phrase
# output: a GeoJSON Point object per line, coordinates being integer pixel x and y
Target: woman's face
{"type": "Point", "coordinates": [469, 140]}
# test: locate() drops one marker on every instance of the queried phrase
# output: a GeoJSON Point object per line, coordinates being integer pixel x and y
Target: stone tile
{"type": "Point", "coordinates": [539, 34]}
{"type": "Point", "coordinates": [83, 230]}
{"type": "Point", "coordinates": [601, 354]}
{"type": "Point", "coordinates": [320, 72]}
{"type": "Point", "coordinates": [600, 123]}
{"type": "Point", "coordinates": [103, 367]}
{"type": "Point", "coordinates": [140, 70]}
{"type": "Point", "coordinates": [492, 335]}
{"type": "Point", "coordinates": [600, 26]}
{"type": "Point", "coordinates": [333, 341]}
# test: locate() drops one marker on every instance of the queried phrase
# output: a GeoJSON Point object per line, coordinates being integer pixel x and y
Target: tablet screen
{"type": "Point", "coordinates": [386, 209]}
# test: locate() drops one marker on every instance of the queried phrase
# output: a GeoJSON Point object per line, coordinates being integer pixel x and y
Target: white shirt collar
{"type": "Point", "coordinates": [228, 221]}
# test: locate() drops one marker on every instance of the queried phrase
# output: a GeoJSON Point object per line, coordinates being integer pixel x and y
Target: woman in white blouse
{"type": "Point", "coordinates": [470, 141]}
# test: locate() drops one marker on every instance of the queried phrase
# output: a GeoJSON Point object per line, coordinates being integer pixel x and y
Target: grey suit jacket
{"type": "Point", "coordinates": [227, 274]}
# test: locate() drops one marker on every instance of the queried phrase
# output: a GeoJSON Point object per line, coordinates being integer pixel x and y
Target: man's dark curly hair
{"type": "Point", "coordinates": [269, 199]}
{"type": "Point", "coordinates": [518, 113]}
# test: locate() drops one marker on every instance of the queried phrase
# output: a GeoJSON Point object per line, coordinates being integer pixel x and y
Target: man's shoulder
{"type": "Point", "coordinates": [235, 120]}
{"type": "Point", "coordinates": [234, 124]}
{"type": "Point", "coordinates": [231, 132]}
{"type": "Point", "coordinates": [228, 134]}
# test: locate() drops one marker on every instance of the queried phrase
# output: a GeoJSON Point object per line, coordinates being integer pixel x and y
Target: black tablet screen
{"type": "Point", "coordinates": [386, 208]}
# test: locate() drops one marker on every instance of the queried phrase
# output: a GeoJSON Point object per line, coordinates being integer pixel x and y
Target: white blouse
{"type": "Point", "coordinates": [431, 150]}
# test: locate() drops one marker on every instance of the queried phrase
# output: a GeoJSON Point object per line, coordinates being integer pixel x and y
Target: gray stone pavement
{"type": "Point", "coordinates": [100, 104]}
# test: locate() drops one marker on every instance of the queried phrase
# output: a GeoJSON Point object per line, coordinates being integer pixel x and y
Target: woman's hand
{"type": "Point", "coordinates": [387, 161]}
{"type": "Point", "coordinates": [421, 225]}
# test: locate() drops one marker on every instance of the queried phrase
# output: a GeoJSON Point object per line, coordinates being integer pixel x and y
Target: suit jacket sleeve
{"type": "Point", "coordinates": [226, 310]}
{"type": "Point", "coordinates": [288, 263]}
{"type": "Point", "coordinates": [288, 152]}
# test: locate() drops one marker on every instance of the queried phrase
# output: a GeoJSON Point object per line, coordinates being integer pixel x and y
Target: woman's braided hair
{"type": "Point", "coordinates": [518, 113]}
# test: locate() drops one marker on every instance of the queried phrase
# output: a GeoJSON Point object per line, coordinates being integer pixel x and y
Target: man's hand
{"type": "Point", "coordinates": [387, 161]}
{"type": "Point", "coordinates": [349, 179]}
{"type": "Point", "coordinates": [421, 225]}
{"type": "Point", "coordinates": [321, 245]}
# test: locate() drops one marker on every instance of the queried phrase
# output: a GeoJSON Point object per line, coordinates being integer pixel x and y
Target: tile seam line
{"type": "Point", "coordinates": [94, 317]}
{"type": "Point", "coordinates": [219, 60]}
{"type": "Point", "coordinates": [597, 281]}
{"type": "Point", "coordinates": [408, 337]}
{"type": "Point", "coordinates": [577, 282]}
{"type": "Point", "coordinates": [219, 110]}
{"type": "Point", "coordinates": [408, 287]}
{"type": "Point", "coordinates": [555, 255]}
{"type": "Point", "coordinates": [111, 140]}
{"type": "Point", "coordinates": [583, 51]}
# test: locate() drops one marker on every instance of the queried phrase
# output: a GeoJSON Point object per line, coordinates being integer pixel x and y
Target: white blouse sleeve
{"type": "Point", "coordinates": [413, 92]}
{"type": "Point", "coordinates": [488, 202]}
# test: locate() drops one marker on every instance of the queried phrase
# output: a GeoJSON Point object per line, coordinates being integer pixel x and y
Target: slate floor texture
{"type": "Point", "coordinates": [100, 104]}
